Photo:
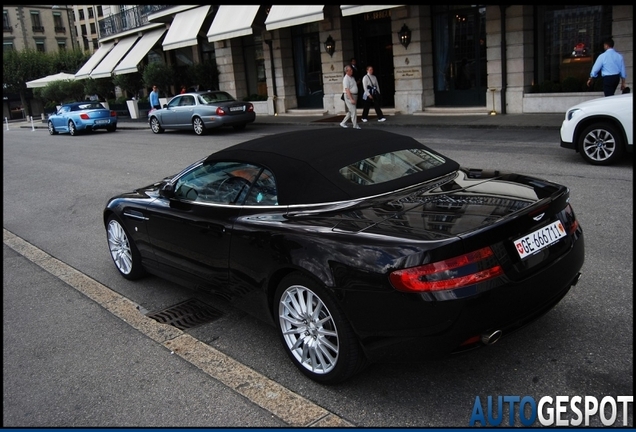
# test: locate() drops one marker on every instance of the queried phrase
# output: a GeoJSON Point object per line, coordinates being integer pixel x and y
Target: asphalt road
{"type": "Point", "coordinates": [72, 360]}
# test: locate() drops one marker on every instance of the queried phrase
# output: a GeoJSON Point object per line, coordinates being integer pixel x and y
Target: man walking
{"type": "Point", "coordinates": [350, 89]}
{"type": "Point", "coordinates": [154, 98]}
{"type": "Point", "coordinates": [611, 66]}
{"type": "Point", "coordinates": [371, 96]}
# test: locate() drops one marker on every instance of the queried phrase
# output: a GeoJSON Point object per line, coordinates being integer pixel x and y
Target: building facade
{"type": "Point", "coordinates": [46, 28]}
{"type": "Point", "coordinates": [428, 58]}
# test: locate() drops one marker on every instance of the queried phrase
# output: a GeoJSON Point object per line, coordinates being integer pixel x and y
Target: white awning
{"type": "Point", "coordinates": [138, 52]}
{"type": "Point", "coordinates": [232, 21]}
{"type": "Point", "coordinates": [106, 66]}
{"type": "Point", "coordinates": [43, 82]}
{"type": "Point", "coordinates": [287, 16]}
{"type": "Point", "coordinates": [88, 67]}
{"type": "Point", "coordinates": [356, 10]}
{"type": "Point", "coordinates": [185, 27]}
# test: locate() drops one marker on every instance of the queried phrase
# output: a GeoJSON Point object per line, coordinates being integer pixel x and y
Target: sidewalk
{"type": "Point", "coordinates": [498, 121]}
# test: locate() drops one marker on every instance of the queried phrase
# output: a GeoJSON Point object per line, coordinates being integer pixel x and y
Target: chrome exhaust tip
{"type": "Point", "coordinates": [491, 337]}
{"type": "Point", "coordinates": [577, 278]}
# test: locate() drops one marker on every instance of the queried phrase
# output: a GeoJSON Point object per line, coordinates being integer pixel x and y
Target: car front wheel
{"type": "Point", "coordinates": [52, 130]}
{"type": "Point", "coordinates": [316, 335]}
{"type": "Point", "coordinates": [155, 126]}
{"type": "Point", "coordinates": [601, 144]}
{"type": "Point", "coordinates": [123, 251]}
{"type": "Point", "coordinates": [72, 129]}
{"type": "Point", "coordinates": [198, 126]}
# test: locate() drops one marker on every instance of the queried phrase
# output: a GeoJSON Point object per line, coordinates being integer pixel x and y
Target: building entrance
{"type": "Point", "coordinates": [373, 46]}
{"type": "Point", "coordinates": [459, 50]}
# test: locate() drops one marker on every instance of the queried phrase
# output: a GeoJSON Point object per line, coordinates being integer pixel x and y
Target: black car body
{"type": "Point", "coordinates": [200, 112]}
{"type": "Point", "coordinates": [403, 252]}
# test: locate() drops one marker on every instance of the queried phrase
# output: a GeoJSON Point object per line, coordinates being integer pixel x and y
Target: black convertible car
{"type": "Point", "coordinates": [358, 245]}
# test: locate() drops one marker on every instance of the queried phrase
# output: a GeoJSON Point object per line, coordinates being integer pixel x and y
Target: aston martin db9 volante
{"type": "Point", "coordinates": [358, 245]}
{"type": "Point", "coordinates": [77, 117]}
{"type": "Point", "coordinates": [201, 111]}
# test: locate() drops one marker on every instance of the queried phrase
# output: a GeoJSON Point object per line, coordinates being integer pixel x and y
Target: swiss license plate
{"type": "Point", "coordinates": [539, 239]}
{"type": "Point", "coordinates": [236, 108]}
{"type": "Point", "coordinates": [101, 121]}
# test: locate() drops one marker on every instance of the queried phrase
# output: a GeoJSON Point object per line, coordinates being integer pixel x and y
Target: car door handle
{"type": "Point", "coordinates": [134, 214]}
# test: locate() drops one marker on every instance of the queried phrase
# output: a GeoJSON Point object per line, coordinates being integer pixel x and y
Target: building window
{"type": "Point", "coordinates": [100, 11]}
{"type": "Point", "coordinates": [58, 23]}
{"type": "Point", "coordinates": [6, 26]}
{"type": "Point", "coordinates": [93, 28]}
{"type": "Point", "coordinates": [85, 43]}
{"type": "Point", "coordinates": [254, 59]}
{"type": "Point", "coordinates": [36, 23]}
{"type": "Point", "coordinates": [81, 14]}
{"type": "Point", "coordinates": [83, 28]}
{"type": "Point", "coordinates": [61, 45]}
{"type": "Point", "coordinates": [95, 44]}
{"type": "Point", "coordinates": [568, 40]}
{"type": "Point", "coordinates": [91, 13]}
{"type": "Point", "coordinates": [39, 45]}
{"type": "Point", "coordinates": [7, 45]}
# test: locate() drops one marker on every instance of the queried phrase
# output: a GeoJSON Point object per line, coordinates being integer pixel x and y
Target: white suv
{"type": "Point", "coordinates": [601, 129]}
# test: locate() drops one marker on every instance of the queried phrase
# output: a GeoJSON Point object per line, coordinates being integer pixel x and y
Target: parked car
{"type": "Point", "coordinates": [77, 117]}
{"type": "Point", "coordinates": [601, 129]}
{"type": "Point", "coordinates": [201, 111]}
{"type": "Point", "coordinates": [358, 245]}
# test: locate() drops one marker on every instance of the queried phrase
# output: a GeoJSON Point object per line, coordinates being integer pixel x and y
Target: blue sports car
{"type": "Point", "coordinates": [85, 116]}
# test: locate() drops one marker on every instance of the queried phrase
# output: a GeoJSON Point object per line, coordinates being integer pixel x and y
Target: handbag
{"type": "Point", "coordinates": [342, 97]}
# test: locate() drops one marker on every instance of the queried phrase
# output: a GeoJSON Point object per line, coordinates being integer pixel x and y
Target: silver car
{"type": "Point", "coordinates": [201, 111]}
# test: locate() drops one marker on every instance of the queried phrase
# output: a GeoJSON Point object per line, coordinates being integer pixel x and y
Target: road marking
{"type": "Point", "coordinates": [288, 406]}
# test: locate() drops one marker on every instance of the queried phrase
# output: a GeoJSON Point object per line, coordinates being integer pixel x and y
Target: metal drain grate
{"type": "Point", "coordinates": [186, 315]}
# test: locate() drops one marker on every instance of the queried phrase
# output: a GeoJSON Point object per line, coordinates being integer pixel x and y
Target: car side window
{"type": "Point", "coordinates": [223, 183]}
{"type": "Point", "coordinates": [174, 102]}
{"type": "Point", "coordinates": [186, 101]}
{"type": "Point", "coordinates": [263, 192]}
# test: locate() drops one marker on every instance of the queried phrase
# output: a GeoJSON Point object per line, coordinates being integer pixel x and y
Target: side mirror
{"type": "Point", "coordinates": [167, 191]}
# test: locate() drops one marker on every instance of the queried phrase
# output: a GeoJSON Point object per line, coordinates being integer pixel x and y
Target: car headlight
{"type": "Point", "coordinates": [570, 114]}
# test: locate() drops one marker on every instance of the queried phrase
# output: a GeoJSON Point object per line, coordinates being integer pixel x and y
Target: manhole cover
{"type": "Point", "coordinates": [186, 315]}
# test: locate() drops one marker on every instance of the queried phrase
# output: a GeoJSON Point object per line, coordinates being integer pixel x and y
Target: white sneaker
{"type": "Point", "coordinates": [343, 125]}
{"type": "Point", "coordinates": [364, 120]}
{"type": "Point", "coordinates": [382, 119]}
{"type": "Point", "coordinates": [357, 127]}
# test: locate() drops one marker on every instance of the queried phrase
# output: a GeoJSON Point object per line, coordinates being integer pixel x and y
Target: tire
{"type": "Point", "coordinates": [601, 144]}
{"type": "Point", "coordinates": [111, 128]}
{"type": "Point", "coordinates": [155, 126]}
{"type": "Point", "coordinates": [314, 332]}
{"type": "Point", "coordinates": [198, 126]}
{"type": "Point", "coordinates": [52, 130]}
{"type": "Point", "coordinates": [239, 127]}
{"type": "Point", "coordinates": [123, 250]}
{"type": "Point", "coordinates": [72, 129]}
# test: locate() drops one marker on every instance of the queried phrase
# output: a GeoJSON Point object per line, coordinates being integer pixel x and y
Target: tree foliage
{"type": "Point", "coordinates": [205, 75]}
{"type": "Point", "coordinates": [60, 92]}
{"type": "Point", "coordinates": [161, 75]}
{"type": "Point", "coordinates": [131, 83]}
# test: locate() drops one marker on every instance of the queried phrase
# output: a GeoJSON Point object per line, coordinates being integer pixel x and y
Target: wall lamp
{"type": "Point", "coordinates": [330, 45]}
{"type": "Point", "coordinates": [405, 36]}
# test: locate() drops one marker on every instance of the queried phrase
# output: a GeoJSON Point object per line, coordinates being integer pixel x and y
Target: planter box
{"type": "Point", "coordinates": [133, 108]}
{"type": "Point", "coordinates": [544, 103]}
{"type": "Point", "coordinates": [263, 107]}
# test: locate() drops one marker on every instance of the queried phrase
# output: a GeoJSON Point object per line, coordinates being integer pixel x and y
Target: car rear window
{"type": "Point", "coordinates": [391, 166]}
{"type": "Point", "coordinates": [215, 97]}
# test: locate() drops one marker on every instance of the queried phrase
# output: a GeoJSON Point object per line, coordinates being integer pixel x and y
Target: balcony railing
{"type": "Point", "coordinates": [37, 29]}
{"type": "Point", "coordinates": [7, 29]}
{"type": "Point", "coordinates": [60, 29]}
{"type": "Point", "coordinates": [128, 19]}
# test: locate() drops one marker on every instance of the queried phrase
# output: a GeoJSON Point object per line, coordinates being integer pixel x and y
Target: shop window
{"type": "Point", "coordinates": [568, 41]}
{"type": "Point", "coordinates": [254, 59]}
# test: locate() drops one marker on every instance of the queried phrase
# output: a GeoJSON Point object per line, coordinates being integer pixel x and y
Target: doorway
{"type": "Point", "coordinates": [374, 46]}
{"type": "Point", "coordinates": [459, 52]}
{"type": "Point", "coordinates": [307, 66]}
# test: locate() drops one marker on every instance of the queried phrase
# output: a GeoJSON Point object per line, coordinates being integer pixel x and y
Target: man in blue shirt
{"type": "Point", "coordinates": [154, 98]}
{"type": "Point", "coordinates": [611, 66]}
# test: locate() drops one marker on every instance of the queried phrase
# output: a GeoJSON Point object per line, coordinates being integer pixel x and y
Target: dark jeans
{"type": "Point", "coordinates": [376, 102]}
{"type": "Point", "coordinates": [610, 82]}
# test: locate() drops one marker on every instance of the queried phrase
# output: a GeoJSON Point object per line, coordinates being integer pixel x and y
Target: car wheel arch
{"type": "Point", "coordinates": [583, 124]}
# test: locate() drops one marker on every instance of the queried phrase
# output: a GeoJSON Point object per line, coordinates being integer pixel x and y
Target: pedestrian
{"type": "Point", "coordinates": [611, 65]}
{"type": "Point", "coordinates": [357, 75]}
{"type": "Point", "coordinates": [154, 98]}
{"type": "Point", "coordinates": [183, 89]}
{"type": "Point", "coordinates": [371, 96]}
{"type": "Point", "coordinates": [350, 89]}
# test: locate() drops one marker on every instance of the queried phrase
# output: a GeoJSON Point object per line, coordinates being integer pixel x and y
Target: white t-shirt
{"type": "Point", "coordinates": [349, 82]}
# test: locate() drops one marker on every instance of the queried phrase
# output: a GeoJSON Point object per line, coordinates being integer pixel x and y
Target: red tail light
{"type": "Point", "coordinates": [113, 113]}
{"type": "Point", "coordinates": [84, 116]}
{"type": "Point", "coordinates": [250, 107]}
{"type": "Point", "coordinates": [468, 269]}
{"type": "Point", "coordinates": [220, 111]}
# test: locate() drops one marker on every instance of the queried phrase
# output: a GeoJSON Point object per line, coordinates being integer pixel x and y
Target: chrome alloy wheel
{"type": "Point", "coordinates": [308, 329]}
{"type": "Point", "coordinates": [599, 145]}
{"type": "Point", "coordinates": [198, 126]}
{"type": "Point", "coordinates": [119, 247]}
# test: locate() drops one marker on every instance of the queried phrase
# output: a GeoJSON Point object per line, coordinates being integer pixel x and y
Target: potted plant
{"type": "Point", "coordinates": [131, 84]}
{"type": "Point", "coordinates": [161, 75]}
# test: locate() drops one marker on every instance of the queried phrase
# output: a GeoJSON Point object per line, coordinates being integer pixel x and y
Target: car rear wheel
{"type": "Point", "coordinates": [155, 126]}
{"type": "Point", "coordinates": [601, 144]}
{"type": "Point", "coordinates": [123, 251]}
{"type": "Point", "coordinates": [52, 130]}
{"type": "Point", "coordinates": [198, 126]}
{"type": "Point", "coordinates": [316, 335]}
{"type": "Point", "coordinates": [72, 129]}
{"type": "Point", "coordinates": [111, 128]}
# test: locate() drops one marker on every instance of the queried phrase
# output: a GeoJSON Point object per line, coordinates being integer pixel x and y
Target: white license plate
{"type": "Point", "coordinates": [539, 239]}
{"type": "Point", "coordinates": [101, 121]}
{"type": "Point", "coordinates": [236, 108]}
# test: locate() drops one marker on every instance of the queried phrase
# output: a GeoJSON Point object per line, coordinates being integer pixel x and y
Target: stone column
{"type": "Point", "coordinates": [229, 60]}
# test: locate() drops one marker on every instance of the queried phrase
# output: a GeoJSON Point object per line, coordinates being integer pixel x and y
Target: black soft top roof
{"type": "Point", "coordinates": [306, 163]}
